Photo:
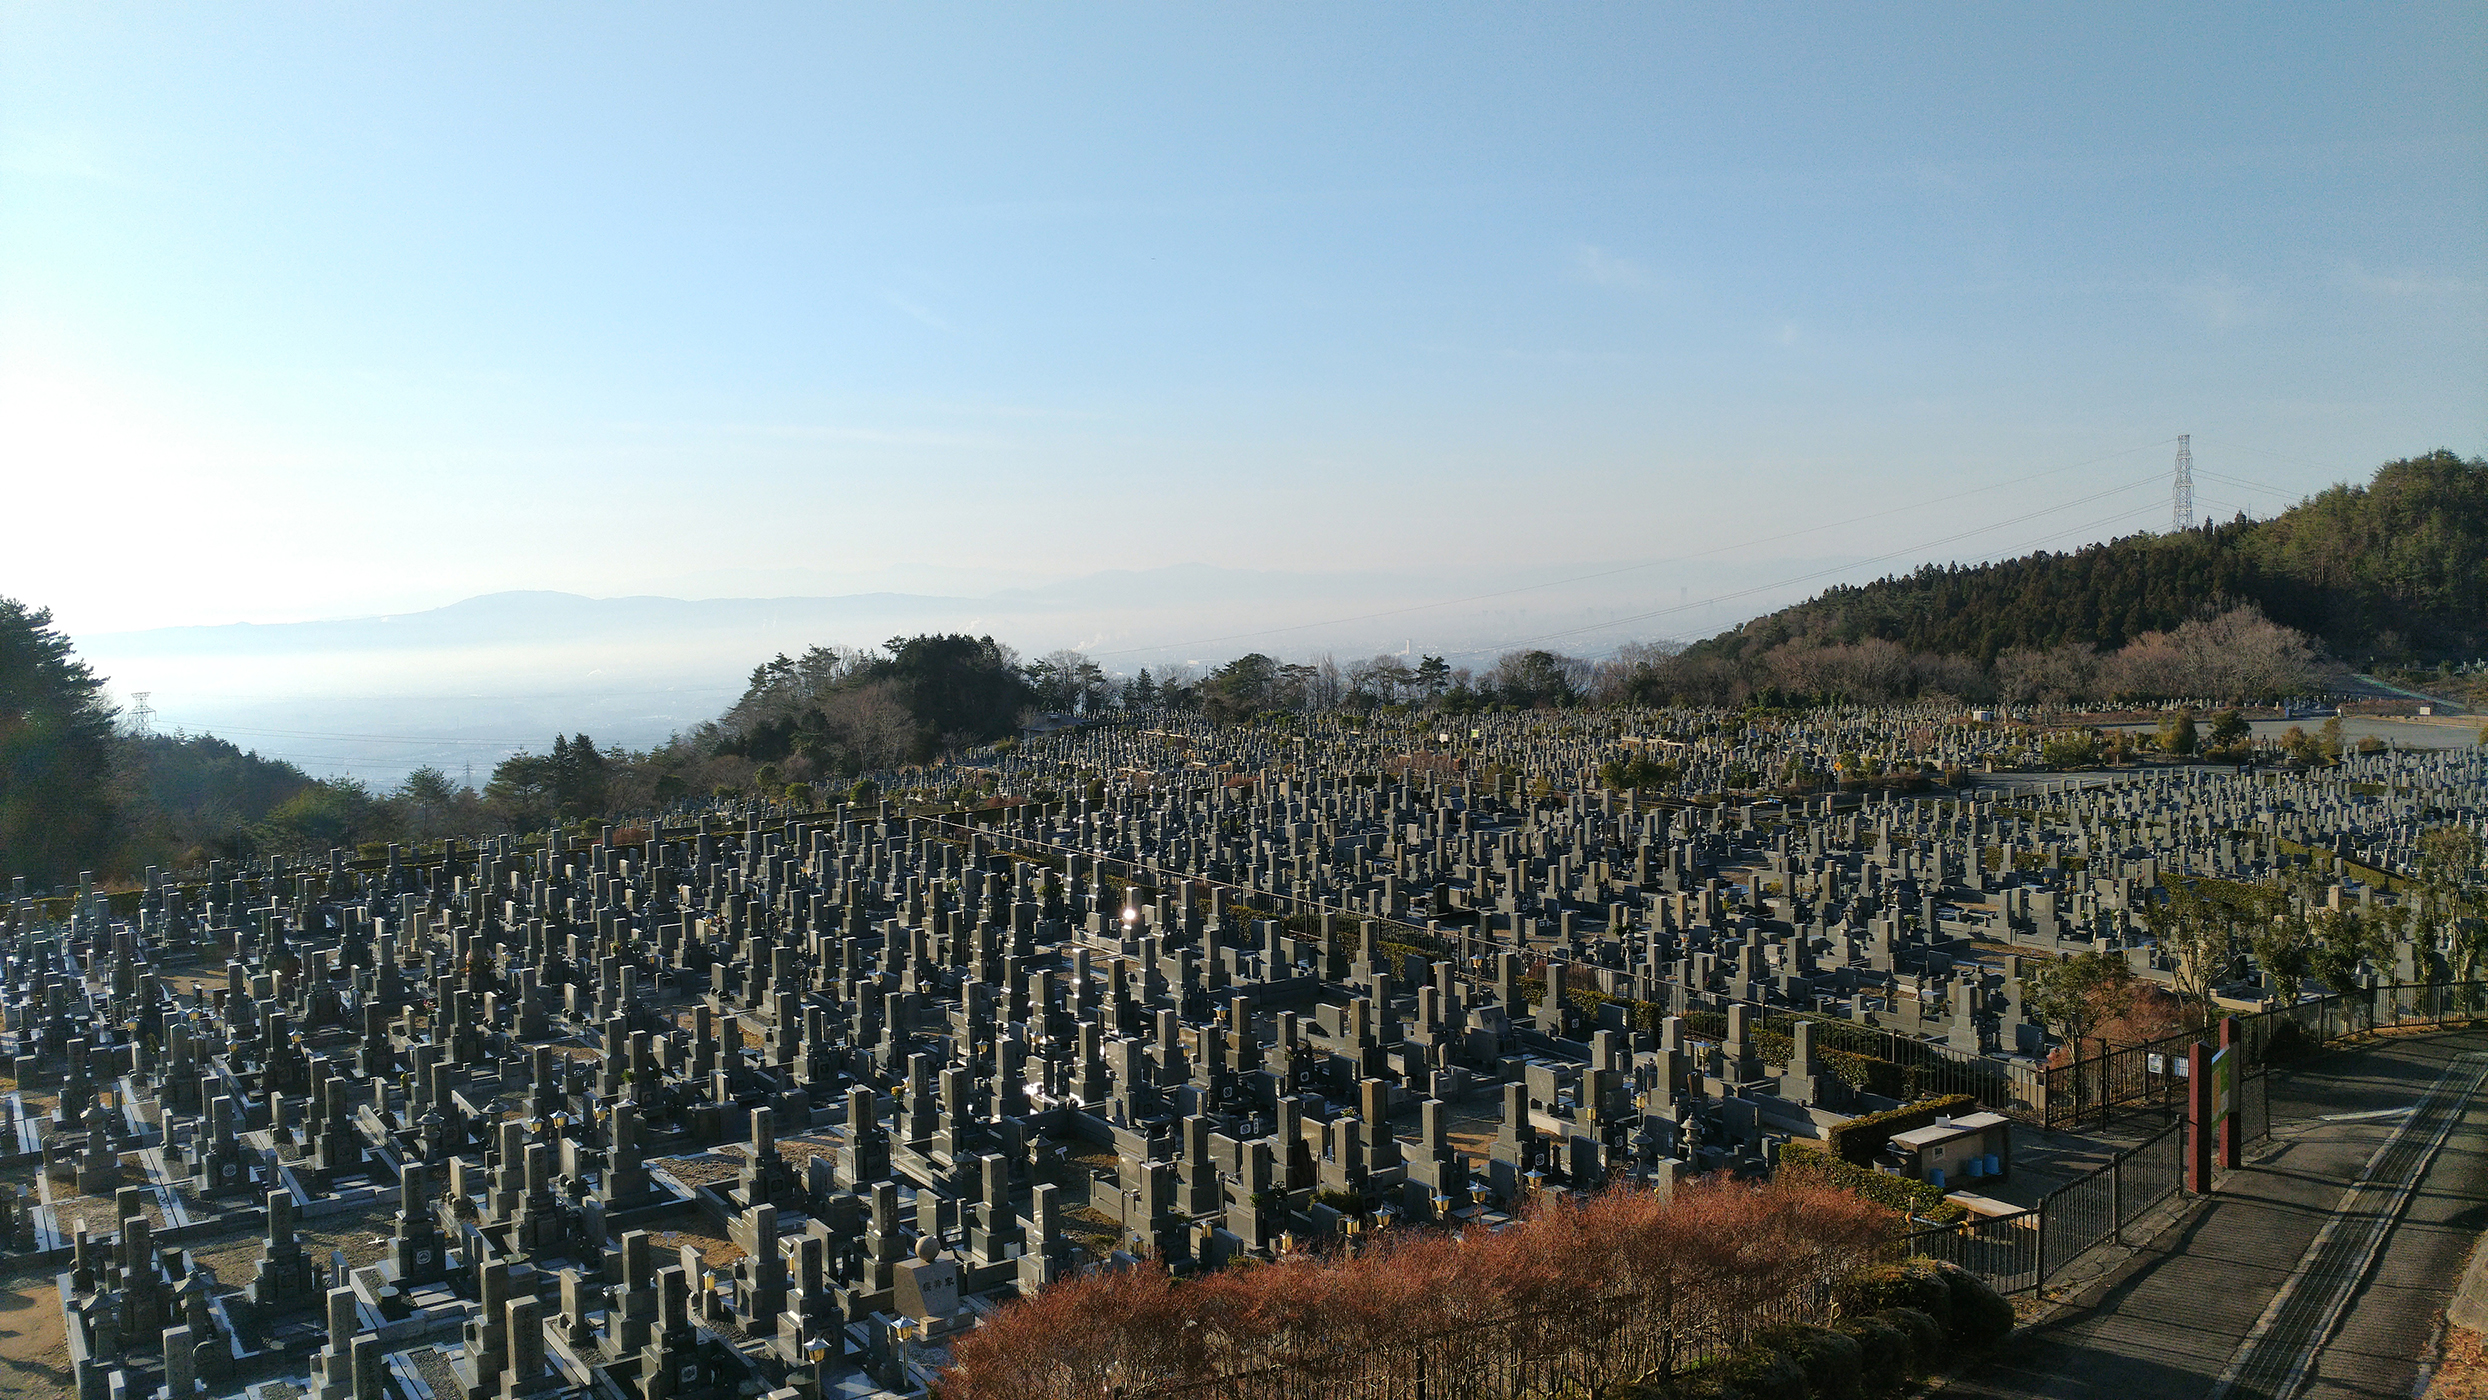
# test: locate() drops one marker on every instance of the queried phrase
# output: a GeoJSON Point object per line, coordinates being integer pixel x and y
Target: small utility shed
{"type": "Point", "coordinates": [1952, 1150]}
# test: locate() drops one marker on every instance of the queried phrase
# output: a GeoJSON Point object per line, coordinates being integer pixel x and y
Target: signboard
{"type": "Point", "coordinates": [2224, 1083]}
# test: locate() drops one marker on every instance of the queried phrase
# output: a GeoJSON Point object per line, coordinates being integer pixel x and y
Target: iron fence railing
{"type": "Point", "coordinates": [2089, 1088]}
{"type": "Point", "coordinates": [2254, 1108]}
{"type": "Point", "coordinates": [2099, 1206]}
{"type": "Point", "coordinates": [2005, 1250]}
{"type": "Point", "coordinates": [2146, 1174]}
{"type": "Point", "coordinates": [2019, 1252]}
{"type": "Point", "coordinates": [2075, 1217]}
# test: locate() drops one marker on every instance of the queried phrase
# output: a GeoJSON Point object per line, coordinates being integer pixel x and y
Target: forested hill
{"type": "Point", "coordinates": [2394, 569]}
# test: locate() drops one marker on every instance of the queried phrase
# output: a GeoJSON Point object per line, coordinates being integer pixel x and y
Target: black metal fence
{"type": "Point", "coordinates": [2097, 1208]}
{"type": "Point", "coordinates": [1933, 1068]}
{"type": "Point", "coordinates": [2019, 1252]}
{"type": "Point", "coordinates": [2254, 1108]}
{"type": "Point", "coordinates": [2005, 1250]}
{"type": "Point", "coordinates": [2090, 1088]}
{"type": "Point", "coordinates": [1927, 1068]}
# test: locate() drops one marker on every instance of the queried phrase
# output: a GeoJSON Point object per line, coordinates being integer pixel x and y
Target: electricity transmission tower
{"type": "Point", "coordinates": [142, 714]}
{"type": "Point", "coordinates": [2181, 492]}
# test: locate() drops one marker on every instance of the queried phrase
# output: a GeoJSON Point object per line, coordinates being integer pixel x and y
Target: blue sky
{"type": "Point", "coordinates": [323, 310]}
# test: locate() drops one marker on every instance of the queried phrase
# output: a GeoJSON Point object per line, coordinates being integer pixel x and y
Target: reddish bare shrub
{"type": "Point", "coordinates": [1082, 1337]}
{"type": "Point", "coordinates": [1706, 1267]}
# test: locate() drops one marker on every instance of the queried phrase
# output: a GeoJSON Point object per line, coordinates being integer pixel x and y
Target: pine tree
{"type": "Point", "coordinates": [56, 815]}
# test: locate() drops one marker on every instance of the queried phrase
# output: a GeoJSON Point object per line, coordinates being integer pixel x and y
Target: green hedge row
{"type": "Point", "coordinates": [1776, 1043]}
{"type": "Point", "coordinates": [1859, 1139]}
{"type": "Point", "coordinates": [1904, 1194]}
{"type": "Point", "coordinates": [1775, 1035]}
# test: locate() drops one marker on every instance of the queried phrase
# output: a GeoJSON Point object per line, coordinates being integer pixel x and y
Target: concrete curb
{"type": "Point", "coordinates": [2469, 1308]}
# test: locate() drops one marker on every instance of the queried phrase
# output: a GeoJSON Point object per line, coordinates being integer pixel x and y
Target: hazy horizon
{"type": "Point", "coordinates": [1389, 317]}
{"type": "Point", "coordinates": [376, 696]}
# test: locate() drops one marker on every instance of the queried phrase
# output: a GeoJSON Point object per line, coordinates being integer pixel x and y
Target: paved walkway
{"type": "Point", "coordinates": [2174, 1320]}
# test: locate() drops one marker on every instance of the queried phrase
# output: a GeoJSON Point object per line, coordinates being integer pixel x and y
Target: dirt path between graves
{"type": "Point", "coordinates": [360, 1231]}
{"type": "Point", "coordinates": [34, 1354]}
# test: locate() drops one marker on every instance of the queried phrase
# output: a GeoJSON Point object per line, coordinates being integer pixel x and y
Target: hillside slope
{"type": "Point", "coordinates": [2395, 569]}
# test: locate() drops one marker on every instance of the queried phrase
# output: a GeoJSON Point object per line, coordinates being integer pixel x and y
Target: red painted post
{"type": "Point", "coordinates": [2199, 1118]}
{"type": "Point", "coordinates": [2237, 1085]}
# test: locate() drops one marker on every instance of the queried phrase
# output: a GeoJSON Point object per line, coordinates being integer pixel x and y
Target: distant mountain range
{"type": "Point", "coordinates": [2394, 569]}
{"type": "Point", "coordinates": [1183, 614]}
{"type": "Point", "coordinates": [478, 679]}
{"type": "Point", "coordinates": [2397, 568]}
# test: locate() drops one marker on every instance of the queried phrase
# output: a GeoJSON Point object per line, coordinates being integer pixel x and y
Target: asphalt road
{"type": "Point", "coordinates": [2172, 1322]}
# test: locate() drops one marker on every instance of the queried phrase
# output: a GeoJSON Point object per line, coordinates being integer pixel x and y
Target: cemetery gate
{"type": "Point", "coordinates": [2024, 1250]}
{"type": "Point", "coordinates": [2152, 1074]}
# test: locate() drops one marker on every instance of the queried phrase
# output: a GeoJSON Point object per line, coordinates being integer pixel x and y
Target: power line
{"type": "Point", "coordinates": [1820, 573]}
{"type": "Point", "coordinates": [2279, 456]}
{"type": "Point", "coordinates": [2249, 485]}
{"type": "Point", "coordinates": [1846, 521]}
{"type": "Point", "coordinates": [2216, 506]}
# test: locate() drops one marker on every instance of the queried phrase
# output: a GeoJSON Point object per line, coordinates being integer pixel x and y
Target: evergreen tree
{"type": "Point", "coordinates": [959, 689]}
{"type": "Point", "coordinates": [2177, 732]}
{"type": "Point", "coordinates": [56, 814]}
{"type": "Point", "coordinates": [1241, 688]}
{"type": "Point", "coordinates": [535, 790]}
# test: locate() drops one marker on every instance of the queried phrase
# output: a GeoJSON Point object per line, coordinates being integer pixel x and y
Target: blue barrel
{"type": "Point", "coordinates": [1969, 1168]}
{"type": "Point", "coordinates": [1995, 1167]}
{"type": "Point", "coordinates": [1935, 1178]}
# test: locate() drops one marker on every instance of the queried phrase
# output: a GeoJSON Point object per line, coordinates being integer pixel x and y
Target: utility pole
{"type": "Point", "coordinates": [2181, 491]}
